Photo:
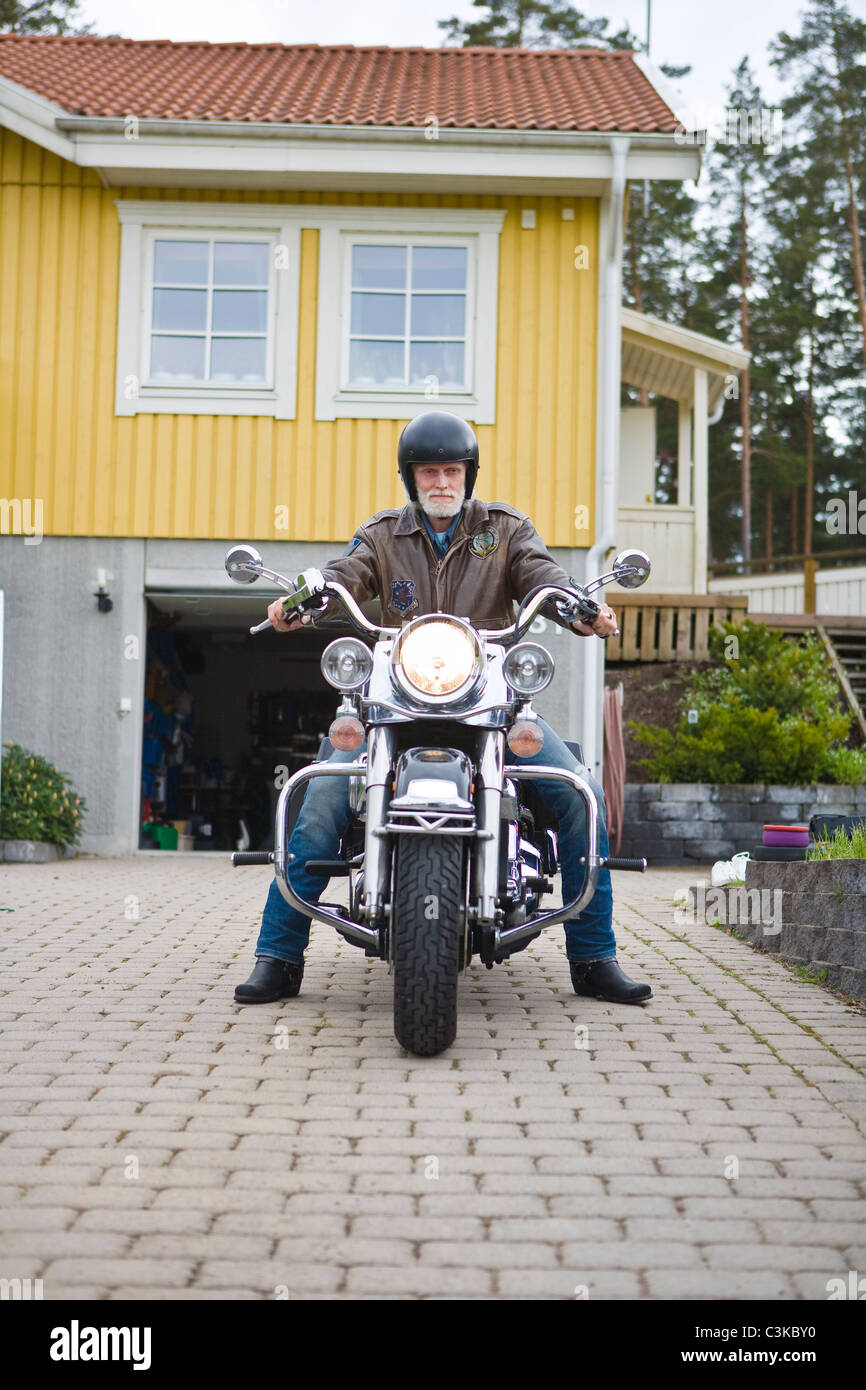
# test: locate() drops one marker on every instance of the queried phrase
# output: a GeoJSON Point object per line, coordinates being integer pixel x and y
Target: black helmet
{"type": "Point", "coordinates": [437, 436]}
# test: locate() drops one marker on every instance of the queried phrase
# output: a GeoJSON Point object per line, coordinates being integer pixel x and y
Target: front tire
{"type": "Point", "coordinates": [427, 940]}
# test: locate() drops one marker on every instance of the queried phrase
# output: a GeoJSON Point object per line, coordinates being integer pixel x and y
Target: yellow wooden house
{"type": "Point", "coordinates": [229, 274]}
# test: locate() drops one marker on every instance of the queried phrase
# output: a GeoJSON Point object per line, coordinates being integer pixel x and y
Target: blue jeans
{"type": "Point", "coordinates": [325, 815]}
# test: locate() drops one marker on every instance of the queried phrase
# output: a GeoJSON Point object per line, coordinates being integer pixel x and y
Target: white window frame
{"type": "Point", "coordinates": [340, 228]}
{"type": "Point", "coordinates": [144, 222]}
{"type": "Point", "coordinates": [268, 239]}
{"type": "Point", "coordinates": [389, 239]}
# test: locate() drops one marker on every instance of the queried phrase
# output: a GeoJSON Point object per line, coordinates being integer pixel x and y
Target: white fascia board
{"type": "Point", "coordinates": [35, 119]}
{"type": "Point", "coordinates": [315, 157]}
{"type": "Point", "coordinates": [576, 179]}
{"type": "Point", "coordinates": [401, 156]}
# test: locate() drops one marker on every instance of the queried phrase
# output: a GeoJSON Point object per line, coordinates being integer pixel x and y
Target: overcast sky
{"type": "Point", "coordinates": [711, 35]}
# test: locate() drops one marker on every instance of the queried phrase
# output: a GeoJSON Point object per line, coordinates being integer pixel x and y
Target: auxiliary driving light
{"type": "Point", "coordinates": [525, 739]}
{"type": "Point", "coordinates": [528, 668]}
{"type": "Point", "coordinates": [346, 663]}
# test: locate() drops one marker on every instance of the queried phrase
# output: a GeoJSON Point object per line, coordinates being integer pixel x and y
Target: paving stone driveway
{"type": "Point", "coordinates": [160, 1142]}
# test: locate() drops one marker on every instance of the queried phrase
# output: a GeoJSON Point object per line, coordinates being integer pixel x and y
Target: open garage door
{"type": "Point", "coordinates": [227, 716]}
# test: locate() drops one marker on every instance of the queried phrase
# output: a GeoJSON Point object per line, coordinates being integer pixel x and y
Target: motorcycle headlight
{"type": "Point", "coordinates": [528, 668]}
{"type": "Point", "coordinates": [346, 663]}
{"type": "Point", "coordinates": [437, 659]}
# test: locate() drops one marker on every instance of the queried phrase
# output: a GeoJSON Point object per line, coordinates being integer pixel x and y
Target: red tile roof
{"type": "Point", "coordinates": [467, 88]}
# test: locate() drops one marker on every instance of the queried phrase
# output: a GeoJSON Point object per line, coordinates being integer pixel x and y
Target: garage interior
{"type": "Point", "coordinates": [228, 717]}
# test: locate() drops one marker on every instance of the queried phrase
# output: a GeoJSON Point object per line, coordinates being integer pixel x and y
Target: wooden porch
{"type": "Point", "coordinates": [676, 627]}
{"type": "Point", "coordinates": [669, 627]}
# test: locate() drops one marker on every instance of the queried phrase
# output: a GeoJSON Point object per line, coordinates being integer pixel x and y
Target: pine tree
{"type": "Point", "coordinates": [730, 244]}
{"type": "Point", "coordinates": [41, 17]}
{"type": "Point", "coordinates": [802, 317]}
{"type": "Point", "coordinates": [826, 63]}
{"type": "Point", "coordinates": [532, 24]}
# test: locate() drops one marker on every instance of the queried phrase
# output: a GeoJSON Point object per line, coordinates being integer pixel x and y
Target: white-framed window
{"type": "Point", "coordinates": [208, 309]}
{"type": "Point", "coordinates": [407, 312]}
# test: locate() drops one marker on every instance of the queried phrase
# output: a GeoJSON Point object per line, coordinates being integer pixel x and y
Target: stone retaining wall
{"type": "Point", "coordinates": [680, 822]}
{"type": "Point", "coordinates": [33, 852]}
{"type": "Point", "coordinates": [812, 913]}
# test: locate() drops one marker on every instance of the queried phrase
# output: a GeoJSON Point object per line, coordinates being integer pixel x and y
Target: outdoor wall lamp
{"type": "Point", "coordinates": [104, 601]}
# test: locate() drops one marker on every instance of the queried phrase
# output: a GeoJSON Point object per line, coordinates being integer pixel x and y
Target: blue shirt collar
{"type": "Point", "coordinates": [441, 539]}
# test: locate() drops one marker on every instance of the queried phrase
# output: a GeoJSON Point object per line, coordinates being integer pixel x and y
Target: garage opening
{"type": "Point", "coordinates": [228, 717]}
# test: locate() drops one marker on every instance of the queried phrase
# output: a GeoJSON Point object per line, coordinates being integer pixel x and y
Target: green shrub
{"type": "Point", "coordinates": [37, 802]}
{"type": "Point", "coordinates": [841, 846]}
{"type": "Point", "coordinates": [768, 711]}
{"type": "Point", "coordinates": [846, 765]}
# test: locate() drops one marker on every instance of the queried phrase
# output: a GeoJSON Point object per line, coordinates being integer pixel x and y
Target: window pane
{"type": "Point", "coordinates": [442, 360]}
{"type": "Point", "coordinates": [240, 263]}
{"type": "Point", "coordinates": [237, 359]}
{"type": "Point", "coordinates": [177, 359]}
{"type": "Point", "coordinates": [180, 309]}
{"type": "Point", "coordinates": [438, 267]}
{"type": "Point", "coordinates": [372, 363]}
{"type": "Point", "coordinates": [241, 311]}
{"type": "Point", "coordinates": [379, 313]}
{"type": "Point", "coordinates": [382, 267]}
{"type": "Point", "coordinates": [433, 314]}
{"type": "Point", "coordinates": [180, 262]}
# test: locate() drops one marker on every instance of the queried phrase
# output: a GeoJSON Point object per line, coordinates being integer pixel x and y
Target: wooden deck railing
{"type": "Point", "coordinates": [669, 627]}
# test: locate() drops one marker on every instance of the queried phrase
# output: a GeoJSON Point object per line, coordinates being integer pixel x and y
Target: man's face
{"type": "Point", "coordinates": [441, 487]}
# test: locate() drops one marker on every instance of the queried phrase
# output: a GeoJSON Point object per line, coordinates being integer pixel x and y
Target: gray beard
{"type": "Point", "coordinates": [441, 510]}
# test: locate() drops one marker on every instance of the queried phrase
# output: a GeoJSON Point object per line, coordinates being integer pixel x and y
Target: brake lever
{"type": "Point", "coordinates": [582, 609]}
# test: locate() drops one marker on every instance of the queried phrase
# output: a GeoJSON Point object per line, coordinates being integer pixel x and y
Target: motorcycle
{"type": "Point", "coordinates": [450, 853]}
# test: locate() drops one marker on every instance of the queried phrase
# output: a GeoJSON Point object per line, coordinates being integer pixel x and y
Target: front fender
{"type": "Point", "coordinates": [424, 766]}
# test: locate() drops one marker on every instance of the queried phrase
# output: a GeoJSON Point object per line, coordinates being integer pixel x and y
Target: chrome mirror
{"type": "Point", "coordinates": [243, 564]}
{"type": "Point", "coordinates": [631, 568]}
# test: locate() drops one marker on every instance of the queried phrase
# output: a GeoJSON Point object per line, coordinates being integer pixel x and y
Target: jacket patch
{"type": "Point", "coordinates": [403, 595]}
{"type": "Point", "coordinates": [484, 543]}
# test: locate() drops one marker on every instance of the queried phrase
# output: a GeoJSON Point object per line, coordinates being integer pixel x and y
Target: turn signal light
{"type": "Point", "coordinates": [525, 739]}
{"type": "Point", "coordinates": [346, 733]}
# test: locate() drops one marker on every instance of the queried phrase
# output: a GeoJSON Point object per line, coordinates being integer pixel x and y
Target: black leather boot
{"type": "Point", "coordinates": [603, 979]}
{"type": "Point", "coordinates": [271, 979]}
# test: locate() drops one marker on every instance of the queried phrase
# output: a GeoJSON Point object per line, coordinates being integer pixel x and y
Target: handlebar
{"type": "Point", "coordinates": [584, 609]}
{"type": "Point", "coordinates": [318, 588]}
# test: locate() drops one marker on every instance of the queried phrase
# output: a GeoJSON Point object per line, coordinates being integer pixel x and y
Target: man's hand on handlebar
{"type": "Point", "coordinates": [605, 625]}
{"type": "Point", "coordinates": [277, 615]}
{"type": "Point", "coordinates": [586, 616]}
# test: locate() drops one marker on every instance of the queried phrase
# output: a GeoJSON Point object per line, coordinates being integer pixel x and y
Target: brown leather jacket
{"type": "Point", "coordinates": [495, 556]}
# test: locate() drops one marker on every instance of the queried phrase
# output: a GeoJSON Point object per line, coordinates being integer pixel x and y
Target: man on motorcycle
{"type": "Point", "coordinates": [445, 551]}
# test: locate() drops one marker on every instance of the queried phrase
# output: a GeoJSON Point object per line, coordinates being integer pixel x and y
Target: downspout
{"type": "Point", "coordinates": [607, 465]}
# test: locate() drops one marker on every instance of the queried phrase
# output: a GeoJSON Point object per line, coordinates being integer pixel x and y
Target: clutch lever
{"type": "Point", "coordinates": [304, 600]}
{"type": "Point", "coordinates": [307, 614]}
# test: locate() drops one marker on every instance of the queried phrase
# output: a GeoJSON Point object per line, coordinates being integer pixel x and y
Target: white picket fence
{"type": "Point", "coordinates": [841, 592]}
